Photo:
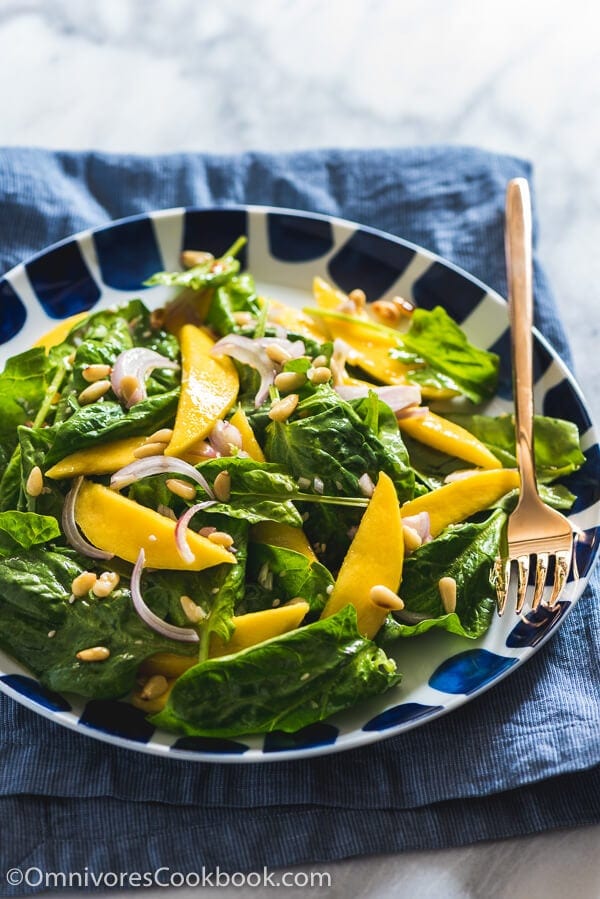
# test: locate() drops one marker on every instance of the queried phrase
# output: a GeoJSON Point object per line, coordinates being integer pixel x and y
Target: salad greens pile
{"type": "Point", "coordinates": [287, 515]}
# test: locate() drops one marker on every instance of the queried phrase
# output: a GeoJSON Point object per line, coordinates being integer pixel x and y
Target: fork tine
{"type": "Point", "coordinates": [501, 579]}
{"type": "Point", "coordinates": [561, 571]}
{"type": "Point", "coordinates": [541, 570]}
{"type": "Point", "coordinates": [523, 577]}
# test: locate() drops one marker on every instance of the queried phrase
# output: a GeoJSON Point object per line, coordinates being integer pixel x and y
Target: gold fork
{"type": "Point", "coordinates": [534, 529]}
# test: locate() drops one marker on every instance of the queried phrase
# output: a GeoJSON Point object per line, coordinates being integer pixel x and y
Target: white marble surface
{"type": "Point", "coordinates": [512, 76]}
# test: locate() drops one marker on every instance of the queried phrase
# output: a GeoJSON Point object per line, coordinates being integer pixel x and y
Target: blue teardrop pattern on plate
{"type": "Point", "coordinates": [297, 239]}
{"type": "Point", "coordinates": [442, 286]}
{"type": "Point", "coordinates": [370, 262]}
{"type": "Point", "coordinates": [562, 397]}
{"type": "Point", "coordinates": [62, 281]}
{"type": "Point", "coordinates": [585, 483]}
{"type": "Point", "coordinates": [401, 714]}
{"type": "Point", "coordinates": [215, 230]}
{"type": "Point", "coordinates": [218, 745]}
{"type": "Point", "coordinates": [13, 312]}
{"type": "Point", "coordinates": [118, 719]}
{"type": "Point", "coordinates": [128, 254]}
{"type": "Point", "coordinates": [33, 690]}
{"type": "Point", "coordinates": [469, 671]}
{"type": "Point", "coordinates": [319, 734]}
{"type": "Point", "coordinates": [535, 626]}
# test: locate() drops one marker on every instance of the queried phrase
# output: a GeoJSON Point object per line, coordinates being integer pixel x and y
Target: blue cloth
{"type": "Point", "coordinates": [521, 758]}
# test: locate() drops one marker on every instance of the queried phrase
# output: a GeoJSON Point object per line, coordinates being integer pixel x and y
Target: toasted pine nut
{"type": "Point", "coordinates": [35, 481]}
{"type": "Point", "coordinates": [319, 375]}
{"type": "Point", "coordinates": [193, 612]}
{"type": "Point", "coordinates": [83, 583]}
{"type": "Point", "coordinates": [287, 381]}
{"type": "Point", "coordinates": [447, 588]}
{"type": "Point", "coordinates": [386, 311]}
{"type": "Point", "coordinates": [204, 532]}
{"type": "Point", "coordinates": [93, 392]}
{"type": "Point", "coordinates": [358, 297]}
{"type": "Point", "coordinates": [162, 436]}
{"type": "Point", "coordinates": [154, 687]}
{"type": "Point", "coordinates": [181, 488]}
{"type": "Point", "coordinates": [412, 540]}
{"type": "Point", "coordinates": [277, 354]}
{"type": "Point", "coordinates": [93, 373]}
{"type": "Point", "coordinates": [242, 318]}
{"type": "Point", "coordinates": [157, 318]}
{"type": "Point", "coordinates": [191, 258]}
{"type": "Point", "coordinates": [282, 409]}
{"type": "Point", "coordinates": [222, 486]}
{"type": "Point", "coordinates": [149, 449]}
{"type": "Point", "coordinates": [129, 385]}
{"type": "Point", "coordinates": [93, 654]}
{"type": "Point", "coordinates": [221, 538]}
{"type": "Point", "coordinates": [105, 584]}
{"type": "Point", "coordinates": [385, 598]}
{"type": "Point", "coordinates": [406, 307]}
{"type": "Point", "coordinates": [318, 361]}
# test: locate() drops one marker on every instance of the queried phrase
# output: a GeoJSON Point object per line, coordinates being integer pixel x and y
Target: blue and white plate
{"type": "Point", "coordinates": [285, 250]}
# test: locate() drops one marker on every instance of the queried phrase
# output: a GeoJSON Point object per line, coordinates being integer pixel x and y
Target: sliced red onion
{"type": "Point", "coordinates": [252, 352]}
{"type": "Point", "coordinates": [412, 412]}
{"type": "Point", "coordinates": [421, 523]}
{"type": "Point", "coordinates": [183, 634]}
{"type": "Point", "coordinates": [183, 546]}
{"type": "Point", "coordinates": [397, 397]}
{"type": "Point", "coordinates": [72, 532]}
{"type": "Point", "coordinates": [137, 362]}
{"type": "Point", "coordinates": [145, 468]}
{"type": "Point", "coordinates": [223, 437]}
{"type": "Point", "coordinates": [366, 485]}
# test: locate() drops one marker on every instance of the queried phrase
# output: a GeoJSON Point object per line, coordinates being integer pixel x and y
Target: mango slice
{"type": "Point", "coordinates": [284, 535]}
{"type": "Point", "coordinates": [326, 295]}
{"type": "Point", "coordinates": [457, 501]}
{"type": "Point", "coordinates": [209, 388]}
{"type": "Point", "coordinates": [375, 557]}
{"type": "Point", "coordinates": [120, 526]}
{"type": "Point", "coordinates": [250, 629]}
{"type": "Point", "coordinates": [450, 438]}
{"type": "Point", "coordinates": [296, 320]}
{"type": "Point", "coordinates": [250, 444]}
{"type": "Point", "coordinates": [104, 459]}
{"type": "Point", "coordinates": [59, 333]}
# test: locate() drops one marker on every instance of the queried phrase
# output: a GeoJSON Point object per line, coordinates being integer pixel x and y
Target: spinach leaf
{"type": "Point", "coordinates": [465, 552]}
{"type": "Point", "coordinates": [23, 385]}
{"type": "Point", "coordinates": [237, 295]}
{"type": "Point", "coordinates": [285, 574]}
{"type": "Point", "coordinates": [209, 273]}
{"type": "Point", "coordinates": [449, 359]}
{"type": "Point", "coordinates": [10, 482]}
{"type": "Point", "coordinates": [260, 491]}
{"type": "Point", "coordinates": [557, 448]}
{"type": "Point", "coordinates": [285, 683]}
{"type": "Point", "coordinates": [378, 416]}
{"type": "Point", "coordinates": [42, 630]}
{"type": "Point", "coordinates": [25, 529]}
{"type": "Point", "coordinates": [104, 421]}
{"type": "Point", "coordinates": [34, 444]}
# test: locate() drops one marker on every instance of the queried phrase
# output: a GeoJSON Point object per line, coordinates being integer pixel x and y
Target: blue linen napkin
{"type": "Point", "coordinates": [522, 758]}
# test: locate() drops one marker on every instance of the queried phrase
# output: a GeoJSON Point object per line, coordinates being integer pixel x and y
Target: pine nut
{"type": "Point", "coordinates": [287, 381]}
{"type": "Point", "coordinates": [191, 258]}
{"type": "Point", "coordinates": [162, 436]}
{"type": "Point", "coordinates": [319, 375]}
{"type": "Point", "coordinates": [282, 409]}
{"type": "Point", "coordinates": [412, 540]}
{"type": "Point", "coordinates": [447, 588]}
{"type": "Point", "coordinates": [242, 318]}
{"type": "Point", "coordinates": [192, 611]}
{"type": "Point", "coordinates": [149, 449]}
{"type": "Point", "coordinates": [386, 311]}
{"type": "Point", "coordinates": [93, 654]}
{"type": "Point", "coordinates": [93, 373]}
{"type": "Point", "coordinates": [406, 307]}
{"type": "Point", "coordinates": [385, 598]}
{"type": "Point", "coordinates": [93, 392]}
{"type": "Point", "coordinates": [35, 481]}
{"type": "Point", "coordinates": [358, 297]}
{"type": "Point", "coordinates": [154, 687]}
{"type": "Point", "coordinates": [319, 361]}
{"type": "Point", "coordinates": [222, 486]}
{"type": "Point", "coordinates": [105, 584]}
{"type": "Point", "coordinates": [277, 354]}
{"type": "Point", "coordinates": [181, 488]}
{"type": "Point", "coordinates": [221, 538]}
{"type": "Point", "coordinates": [129, 385]}
{"type": "Point", "coordinates": [83, 583]}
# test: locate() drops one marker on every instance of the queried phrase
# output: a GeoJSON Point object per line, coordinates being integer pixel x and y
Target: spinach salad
{"type": "Point", "coordinates": [225, 511]}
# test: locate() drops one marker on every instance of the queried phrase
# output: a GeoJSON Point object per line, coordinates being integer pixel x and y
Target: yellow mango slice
{"type": "Point", "coordinates": [296, 320]}
{"type": "Point", "coordinates": [104, 459]}
{"type": "Point", "coordinates": [450, 438]}
{"type": "Point", "coordinates": [60, 332]}
{"type": "Point", "coordinates": [250, 444]}
{"type": "Point", "coordinates": [209, 388]}
{"type": "Point", "coordinates": [120, 526]}
{"type": "Point", "coordinates": [284, 535]}
{"type": "Point", "coordinates": [457, 501]}
{"type": "Point", "coordinates": [375, 557]}
{"type": "Point", "coordinates": [250, 629]}
{"type": "Point", "coordinates": [326, 296]}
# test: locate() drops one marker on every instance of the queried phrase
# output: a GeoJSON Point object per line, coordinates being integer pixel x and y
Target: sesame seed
{"type": "Point", "coordinates": [52, 633]}
{"type": "Point", "coordinates": [275, 603]}
{"type": "Point", "coordinates": [305, 676]}
{"type": "Point", "coordinates": [329, 589]}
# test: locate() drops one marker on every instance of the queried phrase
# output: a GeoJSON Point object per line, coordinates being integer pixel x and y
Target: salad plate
{"type": "Point", "coordinates": [285, 250]}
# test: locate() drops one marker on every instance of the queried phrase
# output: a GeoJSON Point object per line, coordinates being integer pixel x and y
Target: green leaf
{"type": "Point", "coordinates": [211, 273]}
{"type": "Point", "coordinates": [285, 683]}
{"type": "Point", "coordinates": [260, 491]}
{"type": "Point", "coordinates": [25, 529]}
{"type": "Point", "coordinates": [237, 295]}
{"type": "Point", "coordinates": [23, 386]}
{"type": "Point", "coordinates": [450, 360]}
{"type": "Point", "coordinates": [285, 574]}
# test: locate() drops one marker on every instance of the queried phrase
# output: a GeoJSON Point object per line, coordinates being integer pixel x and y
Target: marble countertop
{"type": "Point", "coordinates": [146, 76]}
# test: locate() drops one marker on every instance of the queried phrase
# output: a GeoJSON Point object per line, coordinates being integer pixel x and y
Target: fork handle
{"type": "Point", "coordinates": [518, 243]}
